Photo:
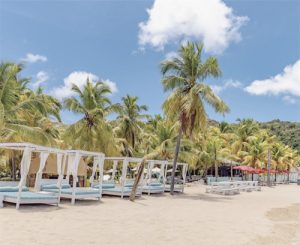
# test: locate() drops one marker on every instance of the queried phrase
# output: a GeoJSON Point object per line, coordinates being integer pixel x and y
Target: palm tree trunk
{"type": "Point", "coordinates": [175, 160]}
{"type": "Point", "coordinates": [137, 181]}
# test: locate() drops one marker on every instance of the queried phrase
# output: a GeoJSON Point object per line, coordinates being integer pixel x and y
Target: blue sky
{"type": "Point", "coordinates": [257, 44]}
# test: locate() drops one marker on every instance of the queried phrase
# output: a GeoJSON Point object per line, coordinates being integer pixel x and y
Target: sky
{"type": "Point", "coordinates": [122, 43]}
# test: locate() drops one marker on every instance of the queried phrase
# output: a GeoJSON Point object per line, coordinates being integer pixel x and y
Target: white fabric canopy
{"type": "Point", "coordinates": [43, 159]}
{"type": "Point", "coordinates": [25, 165]}
{"type": "Point", "coordinates": [115, 164]}
{"type": "Point", "coordinates": [61, 164]}
{"type": "Point", "coordinates": [95, 165]}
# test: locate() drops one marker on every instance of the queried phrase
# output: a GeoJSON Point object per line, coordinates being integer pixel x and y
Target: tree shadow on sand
{"type": "Point", "coordinates": [201, 197]}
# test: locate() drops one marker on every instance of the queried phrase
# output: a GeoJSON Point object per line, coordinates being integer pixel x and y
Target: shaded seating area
{"type": "Point", "coordinates": [61, 186]}
{"type": "Point", "coordinates": [20, 193]}
{"type": "Point", "coordinates": [121, 187]}
{"type": "Point", "coordinates": [154, 182]}
{"type": "Point", "coordinates": [180, 178]}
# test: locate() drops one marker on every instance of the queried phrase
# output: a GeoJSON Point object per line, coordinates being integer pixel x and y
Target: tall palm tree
{"type": "Point", "coordinates": [24, 115]}
{"type": "Point", "coordinates": [16, 107]}
{"type": "Point", "coordinates": [245, 131]}
{"type": "Point", "coordinates": [130, 119]}
{"type": "Point", "coordinates": [184, 76]}
{"type": "Point", "coordinates": [255, 153]}
{"type": "Point", "coordinates": [92, 131]}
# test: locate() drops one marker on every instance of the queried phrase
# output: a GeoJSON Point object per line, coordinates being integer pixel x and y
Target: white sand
{"type": "Point", "coordinates": [271, 216]}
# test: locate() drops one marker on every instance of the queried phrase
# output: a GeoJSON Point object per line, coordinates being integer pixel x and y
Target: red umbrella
{"type": "Point", "coordinates": [256, 171]}
{"type": "Point", "coordinates": [243, 168]}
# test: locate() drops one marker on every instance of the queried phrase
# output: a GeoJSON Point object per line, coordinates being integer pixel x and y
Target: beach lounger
{"type": "Point", "coordinates": [153, 188]}
{"type": "Point", "coordinates": [10, 194]}
{"type": "Point", "coordinates": [68, 192]}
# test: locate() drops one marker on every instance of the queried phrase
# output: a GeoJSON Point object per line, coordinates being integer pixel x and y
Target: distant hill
{"type": "Point", "coordinates": [287, 132]}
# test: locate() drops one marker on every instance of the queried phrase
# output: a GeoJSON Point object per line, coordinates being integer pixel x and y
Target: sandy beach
{"type": "Point", "coordinates": [271, 216]}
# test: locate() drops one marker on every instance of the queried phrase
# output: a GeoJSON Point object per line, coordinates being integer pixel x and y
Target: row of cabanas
{"type": "Point", "coordinates": [67, 165]}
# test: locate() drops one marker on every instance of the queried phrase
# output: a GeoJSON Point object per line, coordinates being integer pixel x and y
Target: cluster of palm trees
{"type": "Point", "coordinates": [125, 129]}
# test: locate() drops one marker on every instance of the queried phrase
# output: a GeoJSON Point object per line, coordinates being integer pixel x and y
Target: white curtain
{"type": "Point", "coordinates": [100, 161]}
{"type": "Point", "coordinates": [101, 165]}
{"type": "Point", "coordinates": [115, 164]}
{"type": "Point", "coordinates": [60, 163]}
{"type": "Point", "coordinates": [70, 164]}
{"type": "Point", "coordinates": [184, 171]}
{"type": "Point", "coordinates": [25, 165]}
{"type": "Point", "coordinates": [43, 159]}
{"type": "Point", "coordinates": [149, 174]}
{"type": "Point", "coordinates": [95, 164]}
{"type": "Point", "coordinates": [124, 170]}
{"type": "Point", "coordinates": [162, 172]}
{"type": "Point", "coordinates": [75, 166]}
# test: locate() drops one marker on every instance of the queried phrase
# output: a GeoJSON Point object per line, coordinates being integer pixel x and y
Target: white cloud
{"type": "Point", "coordinates": [41, 77]}
{"type": "Point", "coordinates": [79, 78]}
{"type": "Point", "coordinates": [287, 82]}
{"type": "Point", "coordinates": [32, 58]}
{"type": "Point", "coordinates": [211, 21]}
{"type": "Point", "coordinates": [171, 55]}
{"type": "Point", "coordinates": [227, 84]}
{"type": "Point", "coordinates": [289, 99]}
{"type": "Point", "coordinates": [112, 85]}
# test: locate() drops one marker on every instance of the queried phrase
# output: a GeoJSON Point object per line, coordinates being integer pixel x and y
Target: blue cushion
{"type": "Point", "coordinates": [28, 195]}
{"type": "Point", "coordinates": [54, 186]}
{"type": "Point", "coordinates": [155, 187]}
{"type": "Point", "coordinates": [155, 184]}
{"type": "Point", "coordinates": [129, 184]}
{"type": "Point", "coordinates": [78, 191]}
{"type": "Point", "coordinates": [105, 185]}
{"type": "Point", "coordinates": [12, 188]}
{"type": "Point", "coordinates": [118, 190]}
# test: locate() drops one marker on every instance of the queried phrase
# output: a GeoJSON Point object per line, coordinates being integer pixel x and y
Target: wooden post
{"type": "Point", "coordinates": [137, 180]}
{"type": "Point", "coordinates": [268, 168]}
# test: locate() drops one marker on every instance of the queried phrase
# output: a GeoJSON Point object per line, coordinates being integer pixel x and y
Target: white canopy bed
{"type": "Point", "coordinates": [71, 163]}
{"type": "Point", "coordinates": [20, 194]}
{"type": "Point", "coordinates": [179, 182]}
{"type": "Point", "coordinates": [156, 185]}
{"type": "Point", "coordinates": [122, 188]}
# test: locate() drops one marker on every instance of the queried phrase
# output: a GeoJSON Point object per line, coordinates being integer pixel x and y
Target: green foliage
{"type": "Point", "coordinates": [287, 132]}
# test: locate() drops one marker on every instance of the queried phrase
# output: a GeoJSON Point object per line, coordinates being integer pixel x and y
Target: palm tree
{"type": "Point", "coordinates": [25, 115]}
{"type": "Point", "coordinates": [184, 76]}
{"type": "Point", "coordinates": [130, 119]}
{"type": "Point", "coordinates": [92, 131]}
{"type": "Point", "coordinates": [245, 132]}
{"type": "Point", "coordinates": [17, 106]}
{"type": "Point", "coordinates": [256, 153]}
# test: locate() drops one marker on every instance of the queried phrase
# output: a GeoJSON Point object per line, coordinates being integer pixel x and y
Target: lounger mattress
{"type": "Point", "coordinates": [78, 191]}
{"type": "Point", "coordinates": [28, 195]}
